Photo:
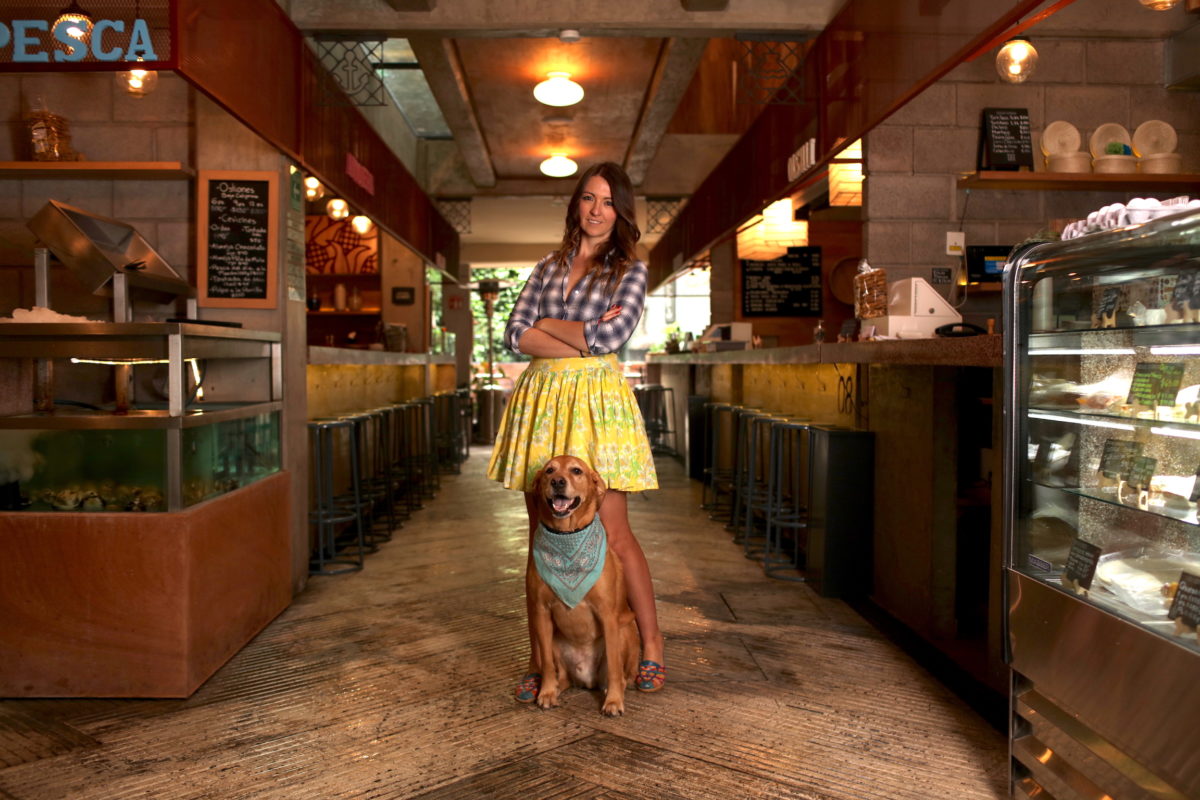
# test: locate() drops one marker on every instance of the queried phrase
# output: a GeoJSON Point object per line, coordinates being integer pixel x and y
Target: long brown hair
{"type": "Point", "coordinates": [619, 252]}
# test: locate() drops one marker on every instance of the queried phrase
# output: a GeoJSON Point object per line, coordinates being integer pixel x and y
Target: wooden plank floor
{"type": "Point", "coordinates": [397, 682]}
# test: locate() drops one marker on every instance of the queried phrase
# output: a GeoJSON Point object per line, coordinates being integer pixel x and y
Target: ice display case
{"type": "Point", "coordinates": [143, 510]}
{"type": "Point", "coordinates": [1102, 434]}
{"type": "Point", "coordinates": [204, 421]}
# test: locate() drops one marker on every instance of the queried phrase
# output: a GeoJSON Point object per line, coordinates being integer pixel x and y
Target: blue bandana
{"type": "Point", "coordinates": [570, 563]}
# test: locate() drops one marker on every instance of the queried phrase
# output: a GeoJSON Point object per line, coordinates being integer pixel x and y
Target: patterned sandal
{"type": "Point", "coordinates": [528, 688]}
{"type": "Point", "coordinates": [651, 676]}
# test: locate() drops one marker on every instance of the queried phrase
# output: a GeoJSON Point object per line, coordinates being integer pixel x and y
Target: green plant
{"type": "Point", "coordinates": [511, 282]}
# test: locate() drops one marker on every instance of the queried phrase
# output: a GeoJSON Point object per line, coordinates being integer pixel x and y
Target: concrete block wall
{"type": "Point", "coordinates": [106, 124]}
{"type": "Point", "coordinates": [914, 157]}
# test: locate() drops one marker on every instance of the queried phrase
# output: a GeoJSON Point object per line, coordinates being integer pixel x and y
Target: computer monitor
{"type": "Point", "coordinates": [985, 262]}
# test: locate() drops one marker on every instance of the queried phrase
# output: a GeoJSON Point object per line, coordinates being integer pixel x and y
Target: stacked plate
{"type": "Point", "coordinates": [1060, 146]}
{"type": "Point", "coordinates": [1112, 149]}
{"type": "Point", "coordinates": [1154, 143]}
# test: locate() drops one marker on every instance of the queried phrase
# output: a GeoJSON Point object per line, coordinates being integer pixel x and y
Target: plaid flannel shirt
{"type": "Point", "coordinates": [543, 296]}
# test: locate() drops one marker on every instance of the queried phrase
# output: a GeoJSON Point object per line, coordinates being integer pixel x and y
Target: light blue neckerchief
{"type": "Point", "coordinates": [570, 563]}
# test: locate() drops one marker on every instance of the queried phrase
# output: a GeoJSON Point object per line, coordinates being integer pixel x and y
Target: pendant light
{"type": "Point", "coordinates": [362, 225]}
{"type": "Point", "coordinates": [313, 190]}
{"type": "Point", "coordinates": [558, 90]}
{"type": "Point", "coordinates": [558, 166]}
{"type": "Point", "coordinates": [337, 209]}
{"type": "Point", "coordinates": [138, 82]}
{"type": "Point", "coordinates": [80, 21]}
{"type": "Point", "coordinates": [1159, 5]}
{"type": "Point", "coordinates": [1016, 60]}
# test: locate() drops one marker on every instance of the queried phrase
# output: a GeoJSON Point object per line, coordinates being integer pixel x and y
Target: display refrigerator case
{"type": "Point", "coordinates": [143, 510]}
{"type": "Point", "coordinates": [1102, 436]}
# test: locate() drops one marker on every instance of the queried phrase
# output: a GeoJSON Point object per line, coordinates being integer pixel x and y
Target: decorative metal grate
{"type": "Point", "coordinates": [457, 212]}
{"type": "Point", "coordinates": [767, 72]}
{"type": "Point", "coordinates": [352, 66]}
{"type": "Point", "coordinates": [661, 212]}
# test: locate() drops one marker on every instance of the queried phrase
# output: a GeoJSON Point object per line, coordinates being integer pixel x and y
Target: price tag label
{"type": "Point", "coordinates": [1118, 457]}
{"type": "Point", "coordinates": [1081, 563]}
{"type": "Point", "coordinates": [1141, 471]}
{"type": "Point", "coordinates": [1186, 605]}
{"type": "Point", "coordinates": [1155, 384]}
{"type": "Point", "coordinates": [848, 331]}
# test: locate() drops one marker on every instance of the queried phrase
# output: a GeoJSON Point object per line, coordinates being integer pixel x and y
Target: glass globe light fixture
{"type": "Point", "coordinates": [362, 225]}
{"type": "Point", "coordinates": [1159, 5]}
{"type": "Point", "coordinates": [138, 82]}
{"type": "Point", "coordinates": [558, 166]}
{"type": "Point", "coordinates": [558, 90]}
{"type": "Point", "coordinates": [1016, 60]}
{"type": "Point", "coordinates": [337, 209]}
{"type": "Point", "coordinates": [78, 19]}
{"type": "Point", "coordinates": [313, 190]}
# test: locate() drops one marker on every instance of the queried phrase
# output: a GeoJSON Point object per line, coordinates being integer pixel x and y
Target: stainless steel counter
{"type": "Point", "coordinates": [967, 351]}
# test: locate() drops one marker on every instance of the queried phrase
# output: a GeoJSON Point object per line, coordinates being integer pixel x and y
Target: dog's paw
{"type": "Point", "coordinates": [613, 707]}
{"type": "Point", "coordinates": [547, 698]}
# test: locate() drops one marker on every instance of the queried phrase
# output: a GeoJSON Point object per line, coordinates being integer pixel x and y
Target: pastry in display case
{"type": "Point", "coordinates": [1102, 432]}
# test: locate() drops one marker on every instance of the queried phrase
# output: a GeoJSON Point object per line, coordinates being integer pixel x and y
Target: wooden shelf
{"type": "Point", "coordinates": [342, 276]}
{"type": "Point", "coordinates": [140, 170]}
{"type": "Point", "coordinates": [365, 312]}
{"type": "Point", "coordinates": [1078, 181]}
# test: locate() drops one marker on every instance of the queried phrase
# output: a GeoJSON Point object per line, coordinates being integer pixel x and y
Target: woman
{"type": "Point", "coordinates": [579, 306]}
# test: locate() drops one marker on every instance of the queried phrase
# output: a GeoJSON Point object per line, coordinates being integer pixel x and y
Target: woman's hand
{"type": "Point", "coordinates": [612, 313]}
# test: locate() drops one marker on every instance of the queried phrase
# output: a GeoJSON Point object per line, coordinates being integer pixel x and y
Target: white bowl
{"type": "Point", "coordinates": [1112, 164]}
{"type": "Point", "coordinates": [1069, 162]}
{"type": "Point", "coordinates": [1161, 163]}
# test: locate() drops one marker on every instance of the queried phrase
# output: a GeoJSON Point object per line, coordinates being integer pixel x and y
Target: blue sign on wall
{"type": "Point", "coordinates": [33, 41]}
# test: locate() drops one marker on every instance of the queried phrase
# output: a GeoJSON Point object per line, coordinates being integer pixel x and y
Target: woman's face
{"type": "Point", "coordinates": [597, 215]}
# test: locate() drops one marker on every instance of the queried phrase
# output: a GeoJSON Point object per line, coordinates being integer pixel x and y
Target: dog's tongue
{"type": "Point", "coordinates": [561, 503]}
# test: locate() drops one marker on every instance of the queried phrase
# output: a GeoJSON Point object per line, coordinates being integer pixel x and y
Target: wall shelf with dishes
{"type": "Point", "coordinates": [1083, 182]}
{"type": "Point", "coordinates": [141, 170]}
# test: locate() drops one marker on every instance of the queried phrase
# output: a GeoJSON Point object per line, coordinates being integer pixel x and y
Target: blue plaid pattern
{"type": "Point", "coordinates": [542, 296]}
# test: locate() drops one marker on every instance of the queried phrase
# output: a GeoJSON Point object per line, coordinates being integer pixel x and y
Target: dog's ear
{"type": "Point", "coordinates": [536, 488]}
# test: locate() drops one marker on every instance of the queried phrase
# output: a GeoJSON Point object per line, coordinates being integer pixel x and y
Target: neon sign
{"type": "Point", "coordinates": [28, 47]}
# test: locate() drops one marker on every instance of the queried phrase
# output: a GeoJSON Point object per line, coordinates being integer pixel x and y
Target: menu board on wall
{"type": "Point", "coordinates": [236, 224]}
{"type": "Point", "coordinates": [789, 286]}
{"type": "Point", "coordinates": [1004, 139]}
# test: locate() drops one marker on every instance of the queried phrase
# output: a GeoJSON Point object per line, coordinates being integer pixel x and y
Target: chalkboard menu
{"type": "Point", "coordinates": [1187, 290]}
{"type": "Point", "coordinates": [1109, 301]}
{"type": "Point", "coordinates": [1004, 140]}
{"type": "Point", "coordinates": [1186, 605]}
{"type": "Point", "coordinates": [1155, 384]}
{"type": "Point", "coordinates": [237, 229]}
{"type": "Point", "coordinates": [789, 286]}
{"type": "Point", "coordinates": [1118, 457]}
{"type": "Point", "coordinates": [1081, 563]}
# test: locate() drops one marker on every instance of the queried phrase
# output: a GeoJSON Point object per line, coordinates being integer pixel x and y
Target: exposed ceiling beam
{"type": "Point", "coordinates": [439, 61]}
{"type": "Point", "coordinates": [673, 73]}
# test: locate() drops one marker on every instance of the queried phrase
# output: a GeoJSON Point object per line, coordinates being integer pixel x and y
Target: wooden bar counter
{"type": "Point", "coordinates": [934, 406]}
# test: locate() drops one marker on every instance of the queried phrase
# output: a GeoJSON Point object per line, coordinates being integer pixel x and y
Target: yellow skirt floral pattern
{"type": "Point", "coordinates": [578, 407]}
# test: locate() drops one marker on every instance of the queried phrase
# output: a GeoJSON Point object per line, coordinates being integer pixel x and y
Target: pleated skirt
{"type": "Point", "coordinates": [578, 407]}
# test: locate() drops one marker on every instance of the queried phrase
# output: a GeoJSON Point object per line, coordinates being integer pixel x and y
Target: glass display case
{"type": "Point", "coordinates": [138, 416]}
{"type": "Point", "coordinates": [1102, 436]}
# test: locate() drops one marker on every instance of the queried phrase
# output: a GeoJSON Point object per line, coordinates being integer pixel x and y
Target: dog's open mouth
{"type": "Point", "coordinates": [561, 505]}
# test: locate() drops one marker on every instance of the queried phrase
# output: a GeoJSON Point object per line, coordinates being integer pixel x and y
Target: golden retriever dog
{"type": "Point", "coordinates": [588, 639]}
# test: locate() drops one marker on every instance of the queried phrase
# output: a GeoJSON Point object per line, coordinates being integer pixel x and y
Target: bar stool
{"type": "Point", "coordinates": [370, 491]}
{"type": "Point", "coordinates": [380, 478]}
{"type": "Point", "coordinates": [656, 403]}
{"type": "Point", "coordinates": [447, 431]}
{"type": "Point", "coordinates": [327, 513]}
{"type": "Point", "coordinates": [787, 498]}
{"type": "Point", "coordinates": [754, 487]}
{"type": "Point", "coordinates": [744, 478]}
{"type": "Point", "coordinates": [466, 416]}
{"type": "Point", "coordinates": [718, 485]}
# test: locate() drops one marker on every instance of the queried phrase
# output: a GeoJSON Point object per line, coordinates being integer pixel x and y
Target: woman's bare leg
{"type": "Point", "coordinates": [614, 513]}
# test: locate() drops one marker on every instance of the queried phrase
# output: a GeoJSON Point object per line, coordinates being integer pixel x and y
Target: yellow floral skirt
{"type": "Point", "coordinates": [578, 407]}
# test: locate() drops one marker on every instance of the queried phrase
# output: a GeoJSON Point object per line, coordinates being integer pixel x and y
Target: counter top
{"type": "Point", "coordinates": [346, 355]}
{"type": "Point", "coordinates": [965, 351]}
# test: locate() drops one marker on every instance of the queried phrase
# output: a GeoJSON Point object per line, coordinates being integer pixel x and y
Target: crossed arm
{"type": "Point", "coordinates": [559, 338]}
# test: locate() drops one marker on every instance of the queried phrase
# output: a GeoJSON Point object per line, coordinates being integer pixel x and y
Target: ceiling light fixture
{"type": "Point", "coordinates": [1159, 5]}
{"type": "Point", "coordinates": [768, 237]}
{"type": "Point", "coordinates": [1016, 60]}
{"type": "Point", "coordinates": [558, 166]}
{"type": "Point", "coordinates": [337, 209]}
{"type": "Point", "coordinates": [558, 90]}
{"type": "Point", "coordinates": [362, 225]}
{"type": "Point", "coordinates": [138, 82]}
{"type": "Point", "coordinates": [313, 190]}
{"type": "Point", "coordinates": [80, 21]}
